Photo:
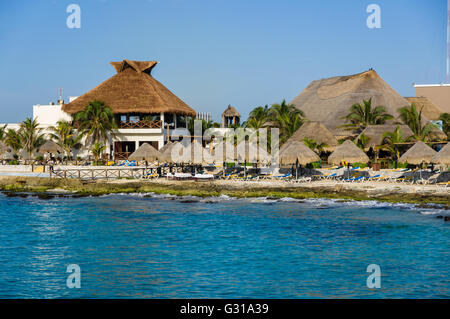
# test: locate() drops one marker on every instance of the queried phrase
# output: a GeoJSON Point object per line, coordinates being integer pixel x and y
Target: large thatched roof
{"type": "Point", "coordinates": [329, 100]}
{"type": "Point", "coordinates": [375, 133]}
{"type": "Point", "coordinates": [145, 152]}
{"type": "Point", "coordinates": [443, 157]}
{"type": "Point", "coordinates": [430, 110]}
{"type": "Point", "coordinates": [348, 152]}
{"type": "Point", "coordinates": [132, 90]}
{"type": "Point", "coordinates": [298, 151]}
{"type": "Point", "coordinates": [314, 131]}
{"type": "Point", "coordinates": [166, 152]}
{"type": "Point", "coordinates": [230, 111]}
{"type": "Point", "coordinates": [418, 154]}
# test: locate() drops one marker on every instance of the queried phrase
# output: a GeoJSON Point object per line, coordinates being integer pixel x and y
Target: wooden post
{"type": "Point", "coordinates": [79, 174]}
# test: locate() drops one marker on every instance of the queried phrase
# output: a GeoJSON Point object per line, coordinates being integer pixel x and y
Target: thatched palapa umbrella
{"type": "Point", "coordinates": [50, 147]}
{"type": "Point", "coordinates": [145, 152]}
{"type": "Point", "coordinates": [298, 153]}
{"type": "Point", "coordinates": [443, 157]}
{"type": "Point", "coordinates": [348, 152]}
{"type": "Point", "coordinates": [418, 154]}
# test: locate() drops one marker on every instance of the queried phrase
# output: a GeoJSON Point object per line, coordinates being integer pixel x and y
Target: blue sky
{"type": "Point", "coordinates": [215, 52]}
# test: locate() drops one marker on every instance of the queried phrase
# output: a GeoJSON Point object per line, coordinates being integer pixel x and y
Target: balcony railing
{"type": "Point", "coordinates": [121, 155]}
{"type": "Point", "coordinates": [141, 124]}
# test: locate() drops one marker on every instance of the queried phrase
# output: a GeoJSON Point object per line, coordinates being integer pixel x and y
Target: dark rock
{"type": "Point", "coordinates": [440, 217]}
{"type": "Point", "coordinates": [45, 196]}
{"type": "Point", "coordinates": [447, 218]}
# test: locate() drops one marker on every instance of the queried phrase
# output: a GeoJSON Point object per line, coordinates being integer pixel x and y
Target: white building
{"type": "Point", "coordinates": [144, 109]}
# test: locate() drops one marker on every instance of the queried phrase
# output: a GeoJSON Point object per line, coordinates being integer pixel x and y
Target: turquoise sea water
{"type": "Point", "coordinates": [138, 247]}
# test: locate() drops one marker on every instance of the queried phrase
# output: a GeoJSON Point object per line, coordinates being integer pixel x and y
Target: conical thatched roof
{"type": "Point", "coordinates": [443, 157]}
{"type": "Point", "coordinates": [418, 154]}
{"type": "Point", "coordinates": [194, 153]}
{"type": "Point", "coordinates": [348, 152]}
{"type": "Point", "coordinates": [225, 152]}
{"type": "Point", "coordinates": [132, 90]}
{"type": "Point", "coordinates": [230, 111]}
{"type": "Point", "coordinates": [166, 146]}
{"type": "Point", "coordinates": [329, 100]}
{"type": "Point", "coordinates": [145, 152]}
{"type": "Point", "coordinates": [430, 110]}
{"type": "Point", "coordinates": [7, 155]}
{"type": "Point", "coordinates": [298, 151]}
{"type": "Point", "coordinates": [314, 131]}
{"type": "Point", "coordinates": [50, 147]}
{"type": "Point", "coordinates": [4, 148]}
{"type": "Point", "coordinates": [251, 153]}
{"type": "Point", "coordinates": [375, 133]}
{"type": "Point", "coordinates": [166, 152]}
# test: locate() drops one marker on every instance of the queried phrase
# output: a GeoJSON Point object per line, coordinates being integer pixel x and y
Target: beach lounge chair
{"type": "Point", "coordinates": [373, 178]}
{"type": "Point", "coordinates": [151, 176]}
{"type": "Point", "coordinates": [203, 176]}
{"type": "Point", "coordinates": [354, 179]}
{"type": "Point", "coordinates": [443, 184]}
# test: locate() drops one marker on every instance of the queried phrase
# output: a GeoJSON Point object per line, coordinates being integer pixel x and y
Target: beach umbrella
{"type": "Point", "coordinates": [443, 157]}
{"type": "Point", "coordinates": [166, 146]}
{"type": "Point", "coordinates": [50, 147]}
{"type": "Point", "coordinates": [418, 154]}
{"type": "Point", "coordinates": [348, 152]}
{"type": "Point", "coordinates": [8, 155]}
{"type": "Point", "coordinates": [298, 153]}
{"type": "Point", "coordinates": [145, 152]}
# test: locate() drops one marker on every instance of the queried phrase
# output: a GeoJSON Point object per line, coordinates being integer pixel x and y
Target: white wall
{"type": "Point", "coordinates": [49, 114]}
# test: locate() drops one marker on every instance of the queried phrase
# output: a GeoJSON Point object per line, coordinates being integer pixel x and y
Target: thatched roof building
{"type": "Point", "coordinates": [314, 131]}
{"type": "Point", "coordinates": [418, 154]}
{"type": "Point", "coordinates": [375, 133]}
{"type": "Point", "coordinates": [430, 110]}
{"type": "Point", "coordinates": [329, 100]}
{"type": "Point", "coordinates": [443, 156]}
{"type": "Point", "coordinates": [297, 151]}
{"type": "Point", "coordinates": [230, 116]}
{"type": "Point", "coordinates": [132, 90]}
{"type": "Point", "coordinates": [145, 152]}
{"type": "Point", "coordinates": [348, 152]}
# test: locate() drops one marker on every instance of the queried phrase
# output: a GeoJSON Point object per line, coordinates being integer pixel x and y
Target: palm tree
{"type": "Point", "coordinates": [97, 150]}
{"type": "Point", "coordinates": [258, 117]}
{"type": "Point", "coordinates": [96, 121]}
{"type": "Point", "coordinates": [313, 145]}
{"type": "Point", "coordinates": [2, 132]}
{"type": "Point", "coordinates": [362, 141]}
{"type": "Point", "coordinates": [413, 119]}
{"type": "Point", "coordinates": [287, 118]}
{"type": "Point", "coordinates": [30, 136]}
{"type": "Point", "coordinates": [362, 115]}
{"type": "Point", "coordinates": [445, 118]}
{"type": "Point", "coordinates": [64, 135]}
{"type": "Point", "coordinates": [390, 141]}
{"type": "Point", "coordinates": [13, 140]}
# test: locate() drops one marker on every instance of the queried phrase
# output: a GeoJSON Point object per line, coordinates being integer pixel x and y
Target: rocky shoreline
{"type": "Point", "coordinates": [45, 188]}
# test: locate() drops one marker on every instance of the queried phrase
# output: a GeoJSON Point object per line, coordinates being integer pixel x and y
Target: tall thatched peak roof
{"type": "Point", "coordinates": [132, 90]}
{"type": "Point", "coordinates": [418, 154]}
{"type": "Point", "coordinates": [231, 111]}
{"type": "Point", "coordinates": [329, 100]}
{"type": "Point", "coordinates": [375, 133]}
{"type": "Point", "coordinates": [348, 152]}
{"type": "Point", "coordinates": [430, 110]}
{"type": "Point", "coordinates": [443, 157]}
{"type": "Point", "coordinates": [316, 131]}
